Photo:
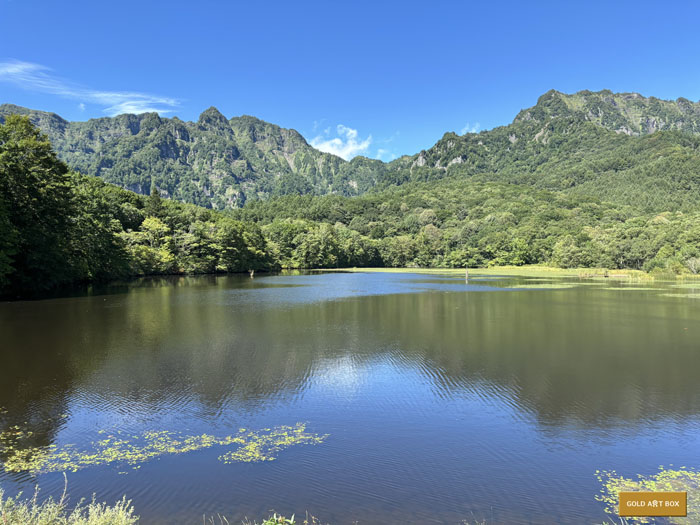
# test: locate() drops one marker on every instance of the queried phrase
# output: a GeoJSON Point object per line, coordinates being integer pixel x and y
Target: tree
{"type": "Point", "coordinates": [8, 245]}
{"type": "Point", "coordinates": [36, 203]}
{"type": "Point", "coordinates": [232, 248]}
{"type": "Point", "coordinates": [318, 248]}
{"type": "Point", "coordinates": [154, 204]}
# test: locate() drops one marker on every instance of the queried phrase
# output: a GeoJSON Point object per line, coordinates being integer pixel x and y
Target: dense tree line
{"type": "Point", "coordinates": [461, 222]}
{"type": "Point", "coordinates": [59, 227]}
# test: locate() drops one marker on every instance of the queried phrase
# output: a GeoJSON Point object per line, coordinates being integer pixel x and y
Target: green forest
{"type": "Point", "coordinates": [58, 227]}
{"type": "Point", "coordinates": [554, 187]}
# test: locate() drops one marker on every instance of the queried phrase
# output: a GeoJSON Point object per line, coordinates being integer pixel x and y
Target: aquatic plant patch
{"type": "Point", "coordinates": [630, 288]}
{"type": "Point", "coordinates": [250, 446]}
{"type": "Point", "coordinates": [542, 286]}
{"type": "Point", "coordinates": [666, 480]}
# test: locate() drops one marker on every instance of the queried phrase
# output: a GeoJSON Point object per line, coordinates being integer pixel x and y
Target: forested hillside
{"type": "Point", "coordinates": [215, 162]}
{"type": "Point", "coordinates": [575, 144]}
{"type": "Point", "coordinates": [463, 223]}
{"type": "Point", "coordinates": [565, 184]}
{"type": "Point", "coordinates": [58, 227]}
{"type": "Point", "coordinates": [623, 148]}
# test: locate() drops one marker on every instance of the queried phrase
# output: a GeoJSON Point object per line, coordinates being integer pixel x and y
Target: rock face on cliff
{"type": "Point", "coordinates": [620, 147]}
{"type": "Point", "coordinates": [214, 162]}
{"type": "Point", "coordinates": [628, 113]}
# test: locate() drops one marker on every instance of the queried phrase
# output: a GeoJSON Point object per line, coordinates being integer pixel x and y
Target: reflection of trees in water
{"type": "Point", "coordinates": [36, 380]}
{"type": "Point", "coordinates": [566, 356]}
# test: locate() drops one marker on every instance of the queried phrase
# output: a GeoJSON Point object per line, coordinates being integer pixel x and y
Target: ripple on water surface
{"type": "Point", "coordinates": [495, 399]}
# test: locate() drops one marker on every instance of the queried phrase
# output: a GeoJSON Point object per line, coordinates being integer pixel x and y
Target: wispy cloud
{"type": "Point", "coordinates": [317, 124]}
{"type": "Point", "coordinates": [384, 154]}
{"type": "Point", "coordinates": [35, 77]}
{"type": "Point", "coordinates": [469, 128]}
{"type": "Point", "coordinates": [345, 145]}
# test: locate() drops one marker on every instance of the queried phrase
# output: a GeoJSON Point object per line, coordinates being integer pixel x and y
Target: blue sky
{"type": "Point", "coordinates": [380, 79]}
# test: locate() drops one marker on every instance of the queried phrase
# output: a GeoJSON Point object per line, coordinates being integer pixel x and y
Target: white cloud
{"type": "Point", "coordinates": [81, 106]}
{"type": "Point", "coordinates": [345, 145]}
{"type": "Point", "coordinates": [36, 77]}
{"type": "Point", "coordinates": [470, 128]}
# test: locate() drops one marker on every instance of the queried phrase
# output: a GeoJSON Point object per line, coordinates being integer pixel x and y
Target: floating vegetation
{"type": "Point", "coordinates": [558, 286]}
{"type": "Point", "coordinates": [686, 295]}
{"type": "Point", "coordinates": [666, 480]}
{"type": "Point", "coordinates": [693, 286]}
{"type": "Point", "coordinates": [262, 446]}
{"type": "Point", "coordinates": [252, 446]}
{"type": "Point", "coordinates": [629, 288]}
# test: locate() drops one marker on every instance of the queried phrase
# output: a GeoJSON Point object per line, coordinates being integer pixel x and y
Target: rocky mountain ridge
{"type": "Point", "coordinates": [214, 162]}
{"type": "Point", "coordinates": [566, 142]}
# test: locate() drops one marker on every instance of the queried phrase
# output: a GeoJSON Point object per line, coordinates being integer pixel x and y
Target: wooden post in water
{"type": "Point", "coordinates": [466, 274]}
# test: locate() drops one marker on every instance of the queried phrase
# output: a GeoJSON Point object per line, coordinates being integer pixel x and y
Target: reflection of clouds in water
{"type": "Point", "coordinates": [340, 375]}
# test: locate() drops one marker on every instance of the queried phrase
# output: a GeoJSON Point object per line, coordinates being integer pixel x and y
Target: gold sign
{"type": "Point", "coordinates": [653, 503]}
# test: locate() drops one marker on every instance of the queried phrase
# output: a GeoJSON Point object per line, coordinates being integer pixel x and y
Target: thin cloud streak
{"type": "Point", "coordinates": [36, 77]}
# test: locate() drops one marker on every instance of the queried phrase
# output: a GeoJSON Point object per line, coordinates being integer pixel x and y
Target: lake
{"type": "Point", "coordinates": [419, 398]}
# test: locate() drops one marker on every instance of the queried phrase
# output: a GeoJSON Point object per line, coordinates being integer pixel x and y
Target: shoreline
{"type": "Point", "coordinates": [526, 271]}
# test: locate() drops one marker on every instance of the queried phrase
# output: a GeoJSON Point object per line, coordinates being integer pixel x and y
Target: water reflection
{"type": "Point", "coordinates": [567, 356]}
{"type": "Point", "coordinates": [212, 350]}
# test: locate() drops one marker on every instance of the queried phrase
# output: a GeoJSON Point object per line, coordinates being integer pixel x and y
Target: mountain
{"type": "Point", "coordinates": [621, 147]}
{"type": "Point", "coordinates": [584, 180]}
{"type": "Point", "coordinates": [628, 113]}
{"type": "Point", "coordinates": [214, 162]}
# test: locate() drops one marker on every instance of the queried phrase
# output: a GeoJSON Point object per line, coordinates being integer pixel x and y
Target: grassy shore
{"type": "Point", "coordinates": [15, 511]}
{"type": "Point", "coordinates": [531, 271]}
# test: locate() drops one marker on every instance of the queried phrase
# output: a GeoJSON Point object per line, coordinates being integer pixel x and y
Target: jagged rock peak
{"type": "Point", "coordinates": [629, 113]}
{"type": "Point", "coordinates": [212, 117]}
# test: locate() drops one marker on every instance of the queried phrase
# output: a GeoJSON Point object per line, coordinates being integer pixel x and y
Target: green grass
{"type": "Point", "coordinates": [532, 270]}
{"type": "Point", "coordinates": [276, 519]}
{"type": "Point", "coordinates": [542, 286]}
{"type": "Point", "coordinates": [14, 511]}
{"type": "Point", "coordinates": [683, 295]}
{"type": "Point", "coordinates": [630, 288]}
{"type": "Point", "coordinates": [19, 511]}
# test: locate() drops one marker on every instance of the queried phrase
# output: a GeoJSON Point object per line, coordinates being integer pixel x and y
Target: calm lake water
{"type": "Point", "coordinates": [443, 401]}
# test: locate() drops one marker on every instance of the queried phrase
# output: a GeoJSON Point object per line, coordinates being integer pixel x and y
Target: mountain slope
{"type": "Point", "coordinates": [623, 148]}
{"type": "Point", "coordinates": [628, 113]}
{"type": "Point", "coordinates": [581, 144]}
{"type": "Point", "coordinates": [214, 162]}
